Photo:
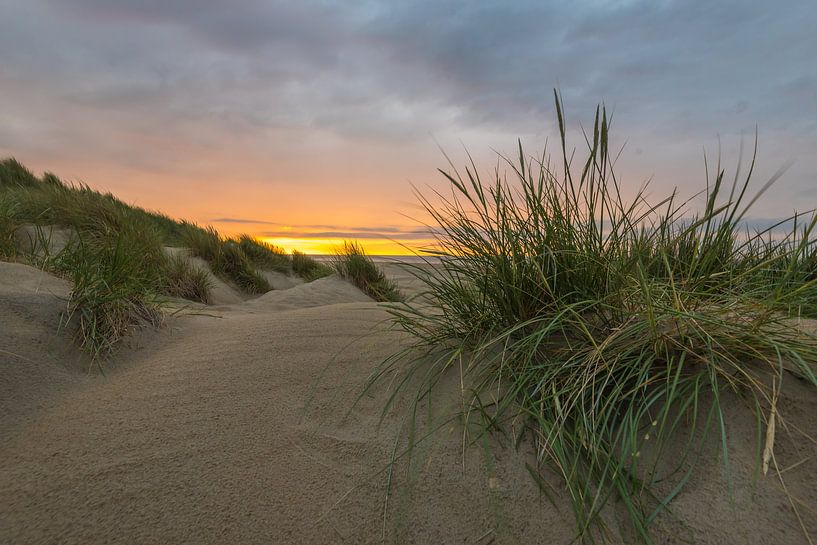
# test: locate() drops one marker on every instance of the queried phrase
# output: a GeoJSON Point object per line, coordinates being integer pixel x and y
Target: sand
{"type": "Point", "coordinates": [239, 425]}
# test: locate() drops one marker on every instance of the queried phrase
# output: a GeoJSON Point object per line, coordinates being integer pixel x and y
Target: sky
{"type": "Point", "coordinates": [305, 123]}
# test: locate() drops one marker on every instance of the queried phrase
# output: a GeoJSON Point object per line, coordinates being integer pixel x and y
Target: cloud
{"type": "Point", "coordinates": [379, 229]}
{"type": "Point", "coordinates": [194, 88]}
{"type": "Point", "coordinates": [370, 68]}
{"type": "Point", "coordinates": [243, 221]}
{"type": "Point", "coordinates": [331, 231]}
{"type": "Point", "coordinates": [349, 235]}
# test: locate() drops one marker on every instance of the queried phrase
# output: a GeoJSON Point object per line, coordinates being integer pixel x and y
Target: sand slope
{"type": "Point", "coordinates": [38, 357]}
{"type": "Point", "coordinates": [241, 427]}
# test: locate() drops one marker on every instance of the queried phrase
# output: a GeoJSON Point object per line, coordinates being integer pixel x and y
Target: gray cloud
{"type": "Point", "coordinates": [332, 231]}
{"type": "Point", "coordinates": [244, 221]}
{"type": "Point", "coordinates": [318, 226]}
{"type": "Point", "coordinates": [350, 235]}
{"type": "Point", "coordinates": [156, 85]}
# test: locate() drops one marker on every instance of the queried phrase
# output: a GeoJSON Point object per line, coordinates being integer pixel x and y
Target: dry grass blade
{"type": "Point", "coordinates": [768, 448]}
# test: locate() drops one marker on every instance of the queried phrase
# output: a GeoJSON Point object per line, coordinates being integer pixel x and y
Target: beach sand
{"type": "Point", "coordinates": [244, 423]}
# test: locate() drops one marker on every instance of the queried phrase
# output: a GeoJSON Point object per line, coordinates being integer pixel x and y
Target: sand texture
{"type": "Point", "coordinates": [240, 425]}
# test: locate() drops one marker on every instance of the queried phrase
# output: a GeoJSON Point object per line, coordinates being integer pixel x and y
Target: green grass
{"type": "Point", "coordinates": [234, 264]}
{"type": "Point", "coordinates": [307, 268]}
{"type": "Point", "coordinates": [117, 262]}
{"type": "Point", "coordinates": [203, 242]}
{"type": "Point", "coordinates": [114, 277]}
{"type": "Point", "coordinates": [185, 280]}
{"type": "Point", "coordinates": [226, 258]}
{"type": "Point", "coordinates": [613, 327]}
{"type": "Point", "coordinates": [7, 228]}
{"type": "Point", "coordinates": [14, 174]}
{"type": "Point", "coordinates": [352, 263]}
{"type": "Point", "coordinates": [264, 255]}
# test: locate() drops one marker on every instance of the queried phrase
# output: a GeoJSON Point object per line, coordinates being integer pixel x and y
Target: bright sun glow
{"type": "Point", "coordinates": [323, 246]}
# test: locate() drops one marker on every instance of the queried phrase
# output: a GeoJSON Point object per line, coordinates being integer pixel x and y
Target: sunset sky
{"type": "Point", "coordinates": [306, 123]}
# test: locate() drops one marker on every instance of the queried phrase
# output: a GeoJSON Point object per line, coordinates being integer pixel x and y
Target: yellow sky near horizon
{"type": "Point", "coordinates": [329, 246]}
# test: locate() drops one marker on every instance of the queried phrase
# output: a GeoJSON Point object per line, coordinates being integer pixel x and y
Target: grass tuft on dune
{"type": "Point", "coordinates": [352, 263]}
{"type": "Point", "coordinates": [114, 277]}
{"type": "Point", "coordinates": [265, 255]}
{"type": "Point", "coordinates": [611, 327]}
{"type": "Point", "coordinates": [308, 268]}
{"type": "Point", "coordinates": [115, 254]}
{"type": "Point", "coordinates": [186, 280]}
{"type": "Point", "coordinates": [7, 227]}
{"type": "Point", "coordinates": [226, 258]}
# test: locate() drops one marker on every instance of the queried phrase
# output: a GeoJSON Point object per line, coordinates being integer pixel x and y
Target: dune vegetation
{"type": "Point", "coordinates": [226, 258]}
{"type": "Point", "coordinates": [308, 268]}
{"type": "Point", "coordinates": [352, 263]}
{"type": "Point", "coordinates": [264, 255]}
{"type": "Point", "coordinates": [611, 326]}
{"type": "Point", "coordinates": [114, 253]}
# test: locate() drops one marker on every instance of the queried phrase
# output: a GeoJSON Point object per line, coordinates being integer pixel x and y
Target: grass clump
{"type": "Point", "coordinates": [612, 326]}
{"type": "Point", "coordinates": [115, 262]}
{"type": "Point", "coordinates": [184, 279]}
{"type": "Point", "coordinates": [264, 255]}
{"type": "Point", "coordinates": [14, 174]}
{"type": "Point", "coordinates": [226, 258]}
{"type": "Point", "coordinates": [115, 253]}
{"type": "Point", "coordinates": [352, 263]}
{"type": "Point", "coordinates": [114, 276]}
{"type": "Point", "coordinates": [203, 242]}
{"type": "Point", "coordinates": [307, 268]}
{"type": "Point", "coordinates": [234, 264]}
{"type": "Point", "coordinates": [7, 228]}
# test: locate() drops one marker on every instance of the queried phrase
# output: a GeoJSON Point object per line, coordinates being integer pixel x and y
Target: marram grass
{"type": "Point", "coordinates": [264, 255]}
{"type": "Point", "coordinates": [114, 277]}
{"type": "Point", "coordinates": [226, 258]}
{"type": "Point", "coordinates": [352, 263]}
{"type": "Point", "coordinates": [116, 261]}
{"type": "Point", "coordinates": [613, 327]}
{"type": "Point", "coordinates": [308, 268]}
{"type": "Point", "coordinates": [186, 280]}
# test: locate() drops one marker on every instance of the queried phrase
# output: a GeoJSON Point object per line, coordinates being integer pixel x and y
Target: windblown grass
{"type": "Point", "coordinates": [117, 262]}
{"type": "Point", "coordinates": [7, 228]}
{"type": "Point", "coordinates": [184, 279]}
{"type": "Point", "coordinates": [14, 174]}
{"type": "Point", "coordinates": [226, 259]}
{"type": "Point", "coordinates": [612, 326]}
{"type": "Point", "coordinates": [307, 268]}
{"type": "Point", "coordinates": [352, 263]}
{"type": "Point", "coordinates": [234, 264]}
{"type": "Point", "coordinates": [114, 278]}
{"type": "Point", "coordinates": [264, 255]}
{"type": "Point", "coordinates": [203, 242]}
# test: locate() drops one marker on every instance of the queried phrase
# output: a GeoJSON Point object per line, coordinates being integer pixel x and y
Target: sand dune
{"type": "Point", "coordinates": [326, 291]}
{"type": "Point", "coordinates": [240, 426]}
{"type": "Point", "coordinates": [38, 356]}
